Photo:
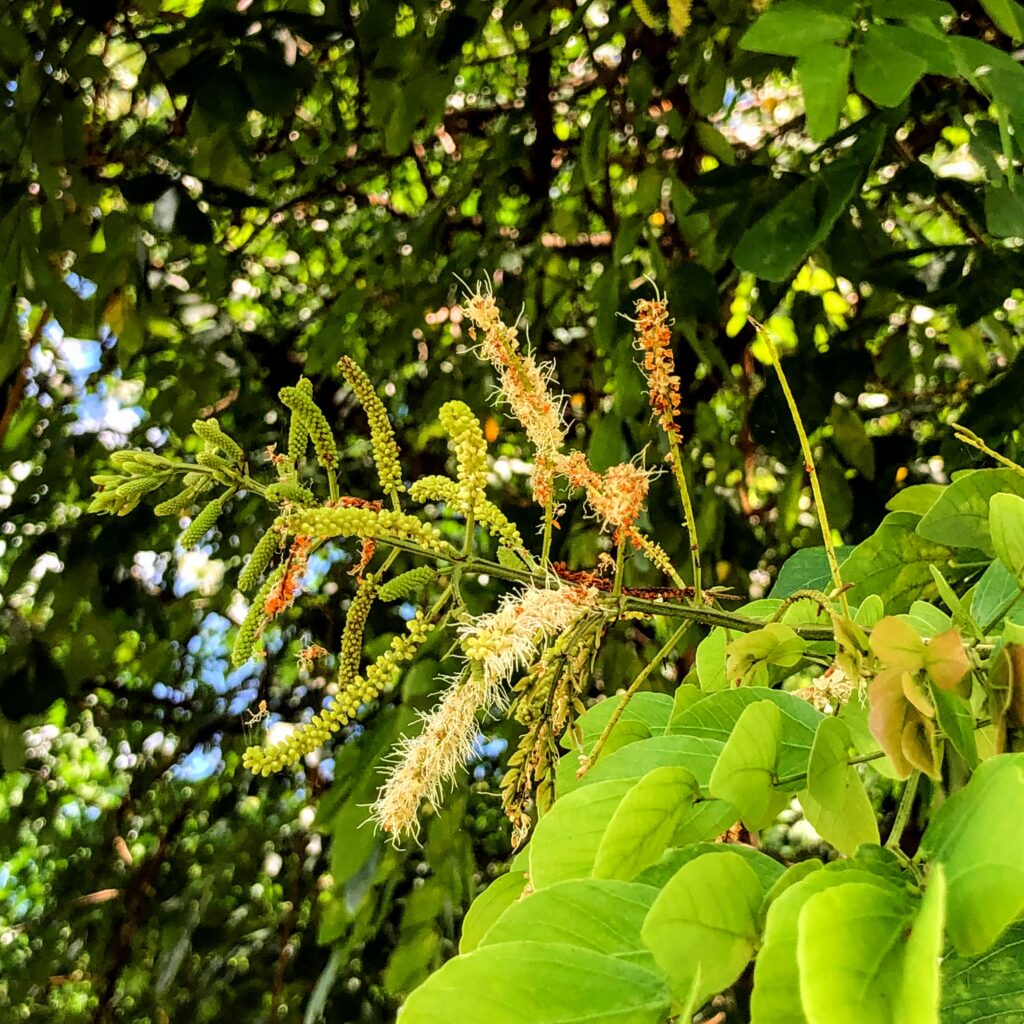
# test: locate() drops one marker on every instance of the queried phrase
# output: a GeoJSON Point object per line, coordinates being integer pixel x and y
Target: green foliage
{"type": "Point", "coordinates": [218, 198]}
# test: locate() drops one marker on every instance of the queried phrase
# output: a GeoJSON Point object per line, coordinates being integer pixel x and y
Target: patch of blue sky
{"type": "Point", "coordinates": [199, 764]}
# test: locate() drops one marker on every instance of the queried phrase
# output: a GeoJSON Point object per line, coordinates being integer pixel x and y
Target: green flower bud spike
{"type": "Point", "coordinates": [382, 436]}
{"type": "Point", "coordinates": [302, 406]}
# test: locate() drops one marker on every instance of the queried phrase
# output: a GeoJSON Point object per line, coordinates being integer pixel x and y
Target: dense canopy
{"type": "Point", "coordinates": [203, 200]}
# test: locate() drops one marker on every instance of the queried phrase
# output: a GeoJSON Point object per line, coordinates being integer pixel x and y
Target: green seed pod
{"type": "Point", "coordinates": [289, 490]}
{"type": "Point", "coordinates": [466, 440]}
{"type": "Point", "coordinates": [251, 629]}
{"type": "Point", "coordinates": [298, 435]}
{"type": "Point", "coordinates": [382, 436]}
{"type": "Point", "coordinates": [266, 548]}
{"type": "Point", "coordinates": [212, 434]}
{"type": "Point", "coordinates": [303, 406]}
{"type": "Point", "coordinates": [398, 588]}
{"type": "Point", "coordinates": [178, 504]}
{"type": "Point", "coordinates": [203, 523]}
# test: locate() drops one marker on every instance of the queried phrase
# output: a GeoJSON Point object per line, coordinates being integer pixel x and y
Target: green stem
{"type": "Point", "coordinates": [620, 565]}
{"type": "Point", "coordinates": [691, 519]}
{"type": "Point", "coordinates": [812, 472]}
{"type": "Point", "coordinates": [549, 519]}
{"type": "Point", "coordinates": [903, 812]}
{"type": "Point", "coordinates": [668, 608]}
{"type": "Point", "coordinates": [587, 761]}
{"type": "Point", "coordinates": [961, 433]}
{"type": "Point", "coordinates": [332, 484]}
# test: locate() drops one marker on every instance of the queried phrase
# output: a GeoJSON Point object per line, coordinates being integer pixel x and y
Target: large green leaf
{"type": "Point", "coordinates": [1006, 525]}
{"type": "Point", "coordinates": [835, 802]}
{"type": "Point", "coordinates": [894, 564]}
{"type": "Point", "coordinates": [795, 27]}
{"type": "Point", "coordinates": [850, 955]}
{"type": "Point", "coordinates": [807, 569]}
{"type": "Point", "coordinates": [644, 823]}
{"type": "Point", "coordinates": [978, 836]}
{"type": "Point", "coordinates": [960, 518]}
{"type": "Point", "coordinates": [824, 77]}
{"type": "Point", "coordinates": [538, 983]}
{"type": "Point", "coordinates": [489, 906]}
{"type": "Point", "coordinates": [776, 995]}
{"type": "Point", "coordinates": [987, 989]}
{"type": "Point", "coordinates": [997, 594]}
{"type": "Point", "coordinates": [746, 767]}
{"type": "Point", "coordinates": [714, 718]}
{"type": "Point", "coordinates": [883, 70]}
{"type": "Point", "coordinates": [706, 919]}
{"type": "Point", "coordinates": [605, 916]}
{"type": "Point", "coordinates": [651, 711]}
{"type": "Point", "coordinates": [768, 871]}
{"type": "Point", "coordinates": [566, 840]}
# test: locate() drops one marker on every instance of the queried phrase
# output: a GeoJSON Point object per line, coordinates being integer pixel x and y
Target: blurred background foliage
{"type": "Point", "coordinates": [202, 199]}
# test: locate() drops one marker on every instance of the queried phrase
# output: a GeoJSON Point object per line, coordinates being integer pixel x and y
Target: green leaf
{"type": "Point", "coordinates": [849, 952]}
{"type": "Point", "coordinates": [644, 823]}
{"type": "Point", "coordinates": [918, 498]}
{"type": "Point", "coordinates": [706, 917]}
{"type": "Point", "coordinates": [594, 146]}
{"type": "Point", "coordinates": [956, 720]}
{"type": "Point", "coordinates": [996, 594]}
{"type": "Point", "coordinates": [489, 906]}
{"type": "Point", "coordinates": [567, 838]}
{"type": "Point", "coordinates": [713, 719]}
{"type": "Point", "coordinates": [824, 74]}
{"type": "Point", "coordinates": [768, 871]}
{"type": "Point", "coordinates": [884, 72]}
{"type": "Point", "coordinates": [651, 711]}
{"type": "Point", "coordinates": [960, 518]}
{"type": "Point", "coordinates": [893, 563]}
{"type": "Point", "coordinates": [776, 995]}
{"type": "Point", "coordinates": [1008, 17]}
{"type": "Point", "coordinates": [750, 656]}
{"type": "Point", "coordinates": [795, 27]}
{"type": "Point", "coordinates": [1004, 212]}
{"type": "Point", "coordinates": [921, 984]}
{"type": "Point", "coordinates": [835, 802]}
{"type": "Point", "coordinates": [986, 989]}
{"type": "Point", "coordinates": [1006, 525]}
{"type": "Point", "coordinates": [538, 983]}
{"type": "Point", "coordinates": [703, 820]}
{"type": "Point", "coordinates": [746, 767]}
{"type": "Point", "coordinates": [605, 916]}
{"type": "Point", "coordinates": [977, 835]}
{"type": "Point", "coordinates": [807, 569]}
{"type": "Point", "coordinates": [852, 439]}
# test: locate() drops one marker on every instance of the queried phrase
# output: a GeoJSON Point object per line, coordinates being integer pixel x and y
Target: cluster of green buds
{"type": "Point", "coordinates": [354, 521]}
{"type": "Point", "coordinates": [137, 474]}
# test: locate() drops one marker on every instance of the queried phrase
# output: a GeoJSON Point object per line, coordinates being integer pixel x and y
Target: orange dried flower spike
{"type": "Point", "coordinates": [283, 595]}
{"type": "Point", "coordinates": [654, 338]}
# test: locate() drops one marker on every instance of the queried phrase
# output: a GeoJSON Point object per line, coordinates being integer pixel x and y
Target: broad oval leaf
{"type": "Point", "coordinates": [538, 983]}
{"type": "Point", "coordinates": [705, 918]}
{"type": "Point", "coordinates": [645, 822]}
{"type": "Point", "coordinates": [978, 836]}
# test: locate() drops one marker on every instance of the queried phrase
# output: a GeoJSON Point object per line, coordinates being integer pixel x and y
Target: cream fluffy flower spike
{"type": "Point", "coordinates": [495, 645]}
